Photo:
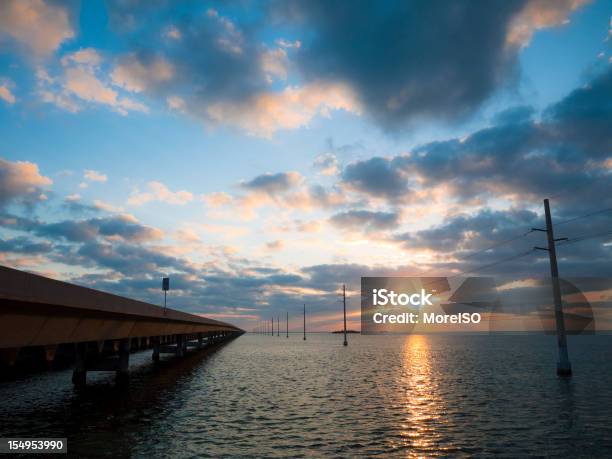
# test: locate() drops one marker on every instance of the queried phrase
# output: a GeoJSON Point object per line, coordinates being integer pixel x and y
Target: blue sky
{"type": "Point", "coordinates": [282, 148]}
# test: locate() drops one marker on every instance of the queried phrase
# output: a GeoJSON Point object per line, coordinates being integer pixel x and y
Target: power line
{"type": "Point", "coordinates": [494, 246]}
{"type": "Point", "coordinates": [490, 265]}
{"type": "Point", "coordinates": [499, 244]}
{"type": "Point", "coordinates": [590, 214]}
{"type": "Point", "coordinates": [522, 235]}
{"type": "Point", "coordinates": [585, 237]}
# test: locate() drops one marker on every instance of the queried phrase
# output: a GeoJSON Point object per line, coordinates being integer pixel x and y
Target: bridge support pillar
{"type": "Point", "coordinates": [79, 374]}
{"type": "Point", "coordinates": [156, 347]}
{"type": "Point", "coordinates": [122, 376]}
{"type": "Point", "coordinates": [200, 341]}
{"type": "Point", "coordinates": [180, 346]}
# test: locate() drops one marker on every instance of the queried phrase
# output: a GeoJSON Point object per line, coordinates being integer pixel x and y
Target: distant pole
{"type": "Point", "coordinates": [287, 324]}
{"type": "Point", "coordinates": [272, 323]}
{"type": "Point", "coordinates": [304, 321]}
{"type": "Point", "coordinates": [344, 303]}
{"type": "Point", "coordinates": [564, 368]}
{"type": "Point", "coordinates": [277, 326]}
{"type": "Point", "coordinates": [165, 288]}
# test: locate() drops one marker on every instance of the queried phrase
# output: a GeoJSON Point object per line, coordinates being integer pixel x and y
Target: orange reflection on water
{"type": "Point", "coordinates": [423, 408]}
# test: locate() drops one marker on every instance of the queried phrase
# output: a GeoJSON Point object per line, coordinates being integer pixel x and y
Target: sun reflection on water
{"type": "Point", "coordinates": [422, 407]}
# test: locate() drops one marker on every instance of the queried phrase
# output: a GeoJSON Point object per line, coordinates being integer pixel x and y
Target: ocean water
{"type": "Point", "coordinates": [394, 396]}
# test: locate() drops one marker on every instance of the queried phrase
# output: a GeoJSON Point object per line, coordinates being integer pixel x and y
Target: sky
{"type": "Point", "coordinates": [262, 154]}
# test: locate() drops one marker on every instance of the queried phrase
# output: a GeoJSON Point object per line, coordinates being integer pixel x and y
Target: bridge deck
{"type": "Point", "coordinates": [41, 319]}
{"type": "Point", "coordinates": [35, 310]}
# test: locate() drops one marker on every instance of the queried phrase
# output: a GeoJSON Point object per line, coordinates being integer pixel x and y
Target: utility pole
{"type": "Point", "coordinates": [304, 321]}
{"type": "Point", "coordinates": [272, 326]}
{"type": "Point", "coordinates": [277, 326]}
{"type": "Point", "coordinates": [287, 324]}
{"type": "Point", "coordinates": [344, 303]}
{"type": "Point", "coordinates": [564, 368]}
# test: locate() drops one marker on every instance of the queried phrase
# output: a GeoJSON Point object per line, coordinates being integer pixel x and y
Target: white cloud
{"type": "Point", "coordinates": [6, 94]}
{"type": "Point", "coordinates": [40, 26]}
{"type": "Point", "coordinates": [160, 192]}
{"type": "Point", "coordinates": [539, 14]}
{"type": "Point", "coordinates": [82, 80]}
{"type": "Point", "coordinates": [136, 76]}
{"type": "Point", "coordinates": [274, 64]}
{"type": "Point", "coordinates": [95, 176]}
{"type": "Point", "coordinates": [292, 108]}
{"type": "Point", "coordinates": [102, 205]}
{"type": "Point", "coordinates": [86, 56]}
{"type": "Point", "coordinates": [176, 103]}
{"type": "Point", "coordinates": [173, 33]}
{"type": "Point", "coordinates": [326, 163]}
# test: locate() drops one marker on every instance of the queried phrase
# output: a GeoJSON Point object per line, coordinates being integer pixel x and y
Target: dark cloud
{"type": "Point", "coordinates": [76, 207]}
{"type": "Point", "coordinates": [584, 117]}
{"type": "Point", "coordinates": [272, 183]}
{"type": "Point", "coordinates": [378, 177]}
{"type": "Point", "coordinates": [365, 220]}
{"type": "Point", "coordinates": [25, 245]}
{"type": "Point", "coordinates": [514, 115]}
{"type": "Point", "coordinates": [125, 228]}
{"type": "Point", "coordinates": [561, 155]}
{"type": "Point", "coordinates": [464, 234]}
{"type": "Point", "coordinates": [129, 259]}
{"type": "Point", "coordinates": [407, 60]}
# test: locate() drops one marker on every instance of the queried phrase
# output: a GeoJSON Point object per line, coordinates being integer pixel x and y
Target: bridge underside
{"type": "Point", "coordinates": [45, 323]}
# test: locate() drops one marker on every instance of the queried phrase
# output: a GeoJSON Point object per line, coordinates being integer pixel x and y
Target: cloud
{"type": "Point", "coordinates": [88, 57]}
{"type": "Point", "coordinates": [377, 177]}
{"type": "Point", "coordinates": [73, 203]}
{"type": "Point", "coordinates": [414, 60]}
{"type": "Point", "coordinates": [173, 33]}
{"type": "Point", "coordinates": [135, 75]}
{"type": "Point", "coordinates": [176, 103]}
{"type": "Point", "coordinates": [275, 245]}
{"type": "Point", "coordinates": [217, 199]}
{"type": "Point", "coordinates": [285, 190]}
{"type": "Point", "coordinates": [160, 192]}
{"type": "Point", "coordinates": [463, 234]}
{"type": "Point", "coordinates": [274, 64]}
{"type": "Point", "coordinates": [121, 227]}
{"type": "Point", "coordinates": [267, 112]}
{"type": "Point", "coordinates": [517, 159]}
{"type": "Point", "coordinates": [95, 176]}
{"type": "Point", "coordinates": [39, 26]}
{"type": "Point", "coordinates": [326, 163]}
{"type": "Point", "coordinates": [5, 92]}
{"type": "Point", "coordinates": [81, 79]}
{"type": "Point", "coordinates": [21, 181]}
{"type": "Point", "coordinates": [538, 14]}
{"type": "Point", "coordinates": [273, 183]}
{"type": "Point", "coordinates": [233, 79]}
{"type": "Point", "coordinates": [365, 220]}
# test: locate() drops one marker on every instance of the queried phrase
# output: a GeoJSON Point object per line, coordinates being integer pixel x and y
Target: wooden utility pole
{"type": "Point", "coordinates": [304, 321]}
{"type": "Point", "coordinates": [277, 326]}
{"type": "Point", "coordinates": [564, 367]}
{"type": "Point", "coordinates": [272, 322]}
{"type": "Point", "coordinates": [287, 324]}
{"type": "Point", "coordinates": [344, 303]}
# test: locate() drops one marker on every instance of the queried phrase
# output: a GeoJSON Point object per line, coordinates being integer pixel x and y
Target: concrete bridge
{"type": "Point", "coordinates": [44, 321]}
